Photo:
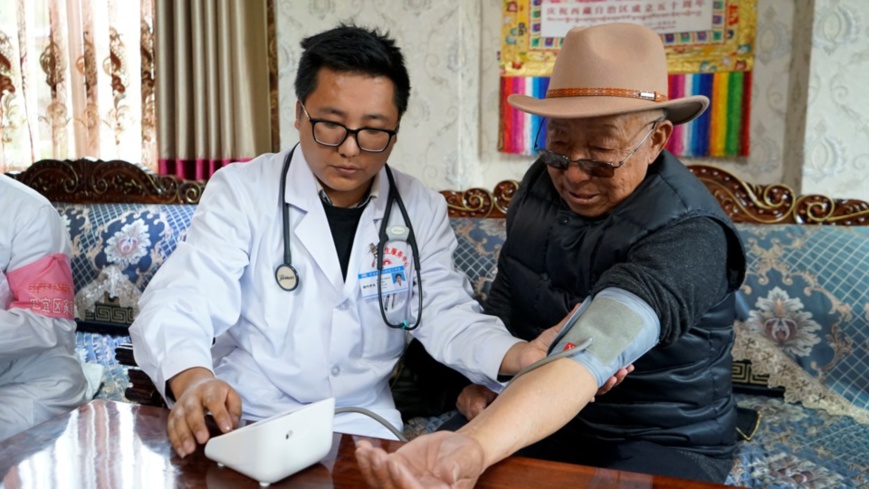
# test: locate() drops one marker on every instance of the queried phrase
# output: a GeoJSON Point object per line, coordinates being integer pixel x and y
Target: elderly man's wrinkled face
{"type": "Point", "coordinates": [590, 188]}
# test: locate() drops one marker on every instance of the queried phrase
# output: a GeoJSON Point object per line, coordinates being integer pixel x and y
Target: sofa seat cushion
{"type": "Point", "coordinates": [100, 349]}
{"type": "Point", "coordinates": [797, 446]}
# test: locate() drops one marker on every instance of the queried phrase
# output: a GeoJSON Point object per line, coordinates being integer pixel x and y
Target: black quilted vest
{"type": "Point", "coordinates": [680, 394]}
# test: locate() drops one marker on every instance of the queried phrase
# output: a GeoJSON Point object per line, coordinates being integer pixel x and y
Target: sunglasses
{"type": "Point", "coordinates": [595, 168]}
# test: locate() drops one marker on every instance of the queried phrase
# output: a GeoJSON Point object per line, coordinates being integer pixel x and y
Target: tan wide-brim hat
{"type": "Point", "coordinates": [610, 69]}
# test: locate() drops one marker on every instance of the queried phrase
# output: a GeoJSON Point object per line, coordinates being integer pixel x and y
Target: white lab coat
{"type": "Point", "coordinates": [282, 349]}
{"type": "Point", "coordinates": [40, 375]}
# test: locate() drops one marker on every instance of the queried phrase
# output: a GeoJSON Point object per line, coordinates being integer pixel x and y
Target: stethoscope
{"type": "Point", "coordinates": [288, 278]}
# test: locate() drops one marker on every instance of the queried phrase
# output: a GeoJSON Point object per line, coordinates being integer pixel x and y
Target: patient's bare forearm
{"type": "Point", "coordinates": [554, 393]}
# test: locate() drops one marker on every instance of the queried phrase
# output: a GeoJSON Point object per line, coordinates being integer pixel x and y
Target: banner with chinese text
{"type": "Point", "coordinates": [710, 51]}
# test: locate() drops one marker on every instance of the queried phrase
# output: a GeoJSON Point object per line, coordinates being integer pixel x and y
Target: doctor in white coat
{"type": "Point", "coordinates": [326, 336]}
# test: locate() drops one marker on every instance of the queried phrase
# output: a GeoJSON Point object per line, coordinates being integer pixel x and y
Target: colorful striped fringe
{"type": "Point", "coordinates": [518, 128]}
{"type": "Point", "coordinates": [723, 130]}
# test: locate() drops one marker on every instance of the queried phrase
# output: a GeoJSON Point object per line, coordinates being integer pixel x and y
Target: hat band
{"type": "Point", "coordinates": [605, 92]}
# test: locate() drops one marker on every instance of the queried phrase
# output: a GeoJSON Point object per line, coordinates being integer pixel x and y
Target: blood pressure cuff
{"type": "Point", "coordinates": [621, 326]}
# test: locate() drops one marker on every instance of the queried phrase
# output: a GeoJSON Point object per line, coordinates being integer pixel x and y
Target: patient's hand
{"type": "Point", "coordinates": [523, 354]}
{"type": "Point", "coordinates": [199, 392]}
{"type": "Point", "coordinates": [443, 459]}
{"type": "Point", "coordinates": [537, 348]}
{"type": "Point", "coordinates": [473, 399]}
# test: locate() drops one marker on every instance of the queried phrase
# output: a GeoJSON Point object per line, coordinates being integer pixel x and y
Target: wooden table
{"type": "Point", "coordinates": [107, 444]}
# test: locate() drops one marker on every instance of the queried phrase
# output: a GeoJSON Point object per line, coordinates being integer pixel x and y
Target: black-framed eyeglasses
{"type": "Point", "coordinates": [333, 134]}
{"type": "Point", "coordinates": [595, 168]}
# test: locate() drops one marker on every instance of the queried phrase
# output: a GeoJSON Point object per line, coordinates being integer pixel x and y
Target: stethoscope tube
{"type": "Point", "coordinates": [288, 278]}
{"type": "Point", "coordinates": [394, 198]}
{"type": "Point", "coordinates": [286, 275]}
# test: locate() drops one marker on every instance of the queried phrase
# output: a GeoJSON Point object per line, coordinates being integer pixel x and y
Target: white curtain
{"type": "Point", "coordinates": [76, 80]}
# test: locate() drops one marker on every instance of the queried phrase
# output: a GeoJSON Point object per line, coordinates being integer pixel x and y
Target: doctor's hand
{"type": "Point", "coordinates": [198, 392]}
{"type": "Point", "coordinates": [442, 459]}
{"type": "Point", "coordinates": [473, 399]}
{"type": "Point", "coordinates": [614, 381]}
{"type": "Point", "coordinates": [525, 353]}
{"type": "Point", "coordinates": [522, 355]}
{"type": "Point", "coordinates": [539, 346]}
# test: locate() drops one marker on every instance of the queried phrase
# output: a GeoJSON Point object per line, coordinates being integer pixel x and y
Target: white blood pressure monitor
{"type": "Point", "coordinates": [279, 446]}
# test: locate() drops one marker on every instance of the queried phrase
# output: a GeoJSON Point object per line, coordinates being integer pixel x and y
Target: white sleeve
{"type": "Point", "coordinates": [32, 234]}
{"type": "Point", "coordinates": [196, 293]}
{"type": "Point", "coordinates": [453, 328]}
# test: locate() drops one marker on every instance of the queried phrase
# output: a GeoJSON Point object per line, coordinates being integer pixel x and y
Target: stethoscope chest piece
{"type": "Point", "coordinates": [397, 233]}
{"type": "Point", "coordinates": [287, 277]}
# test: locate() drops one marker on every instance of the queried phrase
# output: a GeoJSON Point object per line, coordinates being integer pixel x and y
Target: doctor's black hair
{"type": "Point", "coordinates": [348, 48]}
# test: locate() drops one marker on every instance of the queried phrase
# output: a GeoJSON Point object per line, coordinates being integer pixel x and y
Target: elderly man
{"type": "Point", "coordinates": [606, 217]}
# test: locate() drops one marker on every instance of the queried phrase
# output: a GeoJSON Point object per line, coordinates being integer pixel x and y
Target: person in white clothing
{"type": "Point", "coordinates": [294, 326]}
{"type": "Point", "coordinates": [40, 375]}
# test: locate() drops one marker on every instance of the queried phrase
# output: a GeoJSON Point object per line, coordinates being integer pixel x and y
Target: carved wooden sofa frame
{"type": "Point", "coordinates": [93, 182]}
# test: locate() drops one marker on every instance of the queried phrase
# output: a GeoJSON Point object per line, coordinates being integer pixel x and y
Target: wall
{"type": "Point", "coordinates": [836, 147]}
{"type": "Point", "coordinates": [449, 135]}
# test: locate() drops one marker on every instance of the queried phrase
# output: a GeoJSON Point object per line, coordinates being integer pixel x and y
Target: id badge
{"type": "Point", "coordinates": [393, 280]}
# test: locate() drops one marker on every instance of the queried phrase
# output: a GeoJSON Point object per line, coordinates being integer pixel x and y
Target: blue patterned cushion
{"type": "Point", "coordinates": [480, 241]}
{"type": "Point", "coordinates": [136, 238]}
{"type": "Point", "coordinates": [805, 302]}
{"type": "Point", "coordinates": [796, 447]}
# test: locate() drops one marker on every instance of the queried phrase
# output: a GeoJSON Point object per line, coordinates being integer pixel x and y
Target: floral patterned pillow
{"type": "Point", "coordinates": [129, 240]}
{"type": "Point", "coordinates": [804, 311]}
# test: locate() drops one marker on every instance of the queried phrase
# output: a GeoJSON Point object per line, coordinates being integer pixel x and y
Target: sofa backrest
{"type": "Point", "coordinates": [806, 296]}
{"type": "Point", "coordinates": [125, 221]}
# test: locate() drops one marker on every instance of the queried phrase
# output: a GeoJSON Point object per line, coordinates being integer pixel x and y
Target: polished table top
{"type": "Point", "coordinates": [108, 444]}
